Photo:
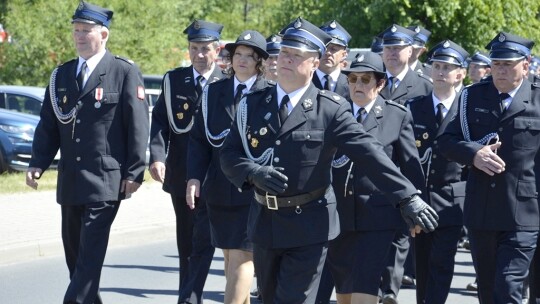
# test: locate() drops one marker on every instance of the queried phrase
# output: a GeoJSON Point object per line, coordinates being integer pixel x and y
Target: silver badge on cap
{"type": "Point", "coordinates": [81, 6]}
{"type": "Point", "coordinates": [502, 37]}
{"type": "Point", "coordinates": [297, 24]}
{"type": "Point", "coordinates": [393, 29]}
{"type": "Point", "coordinates": [333, 24]}
{"type": "Point", "coordinates": [196, 25]}
{"type": "Point", "coordinates": [417, 29]}
{"type": "Point", "coordinates": [274, 39]}
{"type": "Point", "coordinates": [247, 37]}
{"type": "Point", "coordinates": [446, 44]}
{"type": "Point", "coordinates": [360, 58]}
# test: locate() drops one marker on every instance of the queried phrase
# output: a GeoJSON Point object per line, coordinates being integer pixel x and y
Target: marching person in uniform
{"type": "Point", "coordinates": [282, 144]}
{"type": "Point", "coordinates": [357, 257]}
{"type": "Point", "coordinates": [497, 134]}
{"type": "Point", "coordinates": [435, 252]}
{"type": "Point", "coordinates": [95, 112]}
{"type": "Point", "coordinates": [228, 208]}
{"type": "Point", "coordinates": [402, 85]}
{"type": "Point", "coordinates": [272, 47]}
{"type": "Point", "coordinates": [328, 76]}
{"type": "Point", "coordinates": [418, 48]}
{"type": "Point", "coordinates": [479, 66]}
{"type": "Point", "coordinates": [172, 119]}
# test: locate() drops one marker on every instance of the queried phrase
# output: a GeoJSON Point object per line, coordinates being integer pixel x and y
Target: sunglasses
{"type": "Point", "coordinates": [365, 79]}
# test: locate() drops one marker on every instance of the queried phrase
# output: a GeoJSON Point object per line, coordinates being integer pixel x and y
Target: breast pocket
{"type": "Point", "coordinates": [526, 134]}
{"type": "Point", "coordinates": [310, 143]}
{"type": "Point", "coordinates": [108, 105]}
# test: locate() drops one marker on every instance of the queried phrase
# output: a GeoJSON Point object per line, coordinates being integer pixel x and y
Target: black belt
{"type": "Point", "coordinates": [274, 202]}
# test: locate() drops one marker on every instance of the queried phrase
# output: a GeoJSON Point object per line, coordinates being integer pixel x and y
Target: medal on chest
{"type": "Point", "coordinates": [99, 96]}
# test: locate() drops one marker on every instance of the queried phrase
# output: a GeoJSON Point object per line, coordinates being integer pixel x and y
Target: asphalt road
{"type": "Point", "coordinates": [147, 273]}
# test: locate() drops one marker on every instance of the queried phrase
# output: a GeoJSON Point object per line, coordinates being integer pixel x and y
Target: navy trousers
{"type": "Point", "coordinates": [289, 275]}
{"type": "Point", "coordinates": [501, 260]}
{"type": "Point", "coordinates": [85, 235]}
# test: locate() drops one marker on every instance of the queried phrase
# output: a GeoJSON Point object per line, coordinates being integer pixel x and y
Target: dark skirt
{"type": "Point", "coordinates": [228, 226]}
{"type": "Point", "coordinates": [357, 260]}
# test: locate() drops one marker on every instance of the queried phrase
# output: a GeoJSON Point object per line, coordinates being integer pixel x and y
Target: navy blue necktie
{"type": "Point", "coordinates": [283, 109]}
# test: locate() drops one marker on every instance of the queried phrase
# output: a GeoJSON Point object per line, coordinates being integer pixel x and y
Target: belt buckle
{"type": "Point", "coordinates": [271, 202]}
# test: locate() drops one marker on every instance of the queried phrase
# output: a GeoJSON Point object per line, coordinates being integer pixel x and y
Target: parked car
{"type": "Point", "coordinates": [16, 137]}
{"type": "Point", "coordinates": [23, 99]}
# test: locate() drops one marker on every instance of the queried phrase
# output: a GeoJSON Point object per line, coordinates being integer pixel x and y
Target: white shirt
{"type": "Point", "coordinates": [294, 97]}
{"type": "Point", "coordinates": [334, 76]}
{"type": "Point", "coordinates": [249, 83]}
{"type": "Point", "coordinates": [447, 103]}
{"type": "Point", "coordinates": [91, 64]}
{"type": "Point", "coordinates": [356, 109]}
{"type": "Point", "coordinates": [512, 93]}
{"type": "Point", "coordinates": [205, 76]}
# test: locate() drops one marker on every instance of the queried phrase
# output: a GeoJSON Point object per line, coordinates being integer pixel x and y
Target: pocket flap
{"type": "Point", "coordinates": [526, 189]}
{"type": "Point", "coordinates": [308, 135]}
{"type": "Point", "coordinates": [458, 189]}
{"type": "Point", "coordinates": [527, 123]}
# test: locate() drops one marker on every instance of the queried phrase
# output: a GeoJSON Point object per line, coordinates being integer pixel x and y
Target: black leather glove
{"type": "Point", "coordinates": [416, 212]}
{"type": "Point", "coordinates": [268, 179]}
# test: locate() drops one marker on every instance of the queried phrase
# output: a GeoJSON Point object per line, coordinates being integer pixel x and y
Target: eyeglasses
{"type": "Point", "coordinates": [365, 79]}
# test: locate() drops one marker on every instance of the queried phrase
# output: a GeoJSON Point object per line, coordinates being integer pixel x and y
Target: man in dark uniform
{"type": "Point", "coordinates": [272, 47]}
{"type": "Point", "coordinates": [496, 133]}
{"type": "Point", "coordinates": [96, 114]}
{"type": "Point", "coordinates": [419, 47]}
{"type": "Point", "coordinates": [376, 45]}
{"type": "Point", "coordinates": [403, 83]}
{"type": "Point", "coordinates": [285, 152]}
{"type": "Point", "coordinates": [328, 76]}
{"type": "Point", "coordinates": [479, 66]}
{"type": "Point", "coordinates": [435, 252]}
{"type": "Point", "coordinates": [172, 119]}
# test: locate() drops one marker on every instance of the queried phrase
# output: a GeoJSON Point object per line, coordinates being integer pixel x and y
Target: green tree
{"type": "Point", "coordinates": [150, 32]}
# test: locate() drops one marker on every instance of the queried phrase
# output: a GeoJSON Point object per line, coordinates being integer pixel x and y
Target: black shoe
{"type": "Point", "coordinates": [407, 282]}
{"type": "Point", "coordinates": [389, 298]}
{"type": "Point", "coordinates": [472, 287]}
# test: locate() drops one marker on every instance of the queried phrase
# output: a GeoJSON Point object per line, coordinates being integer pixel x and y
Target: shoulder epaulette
{"type": "Point", "coordinates": [124, 59]}
{"type": "Point", "coordinates": [426, 77]}
{"type": "Point", "coordinates": [70, 61]}
{"type": "Point", "coordinates": [332, 96]}
{"type": "Point", "coordinates": [219, 81]}
{"type": "Point", "coordinates": [395, 104]}
{"type": "Point", "coordinates": [481, 83]}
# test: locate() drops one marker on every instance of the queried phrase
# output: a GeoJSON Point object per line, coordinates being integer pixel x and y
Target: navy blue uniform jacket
{"type": "Point", "coordinates": [412, 85]}
{"type": "Point", "coordinates": [203, 158]}
{"type": "Point", "coordinates": [362, 206]}
{"type": "Point", "coordinates": [166, 146]}
{"type": "Point", "coordinates": [506, 201]}
{"type": "Point", "coordinates": [102, 146]}
{"type": "Point", "coordinates": [445, 179]}
{"type": "Point", "coordinates": [305, 146]}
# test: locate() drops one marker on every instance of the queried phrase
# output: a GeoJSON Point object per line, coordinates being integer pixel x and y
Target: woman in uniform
{"type": "Point", "coordinates": [227, 206]}
{"type": "Point", "coordinates": [368, 220]}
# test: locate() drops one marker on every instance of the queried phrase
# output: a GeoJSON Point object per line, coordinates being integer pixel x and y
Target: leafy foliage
{"type": "Point", "coordinates": [150, 32]}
